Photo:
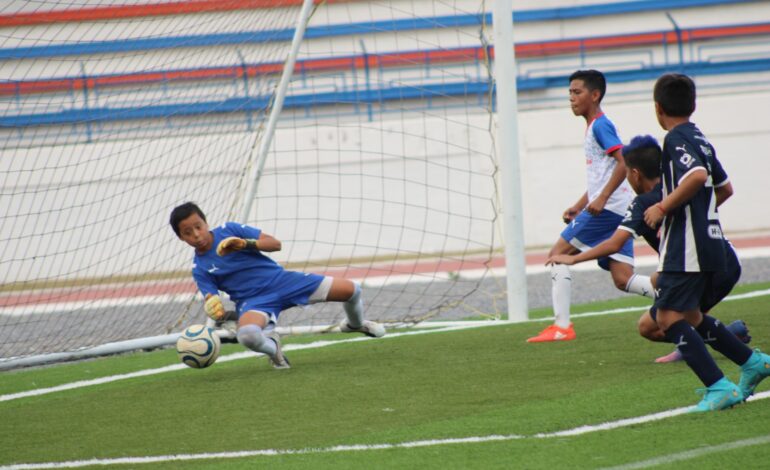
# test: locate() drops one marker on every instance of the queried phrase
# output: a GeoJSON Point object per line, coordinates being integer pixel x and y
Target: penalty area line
{"type": "Point", "coordinates": [421, 443]}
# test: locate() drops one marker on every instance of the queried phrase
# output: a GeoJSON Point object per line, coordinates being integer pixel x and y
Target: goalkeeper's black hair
{"type": "Point", "coordinates": [592, 79]}
{"type": "Point", "coordinates": [643, 153]}
{"type": "Point", "coordinates": [182, 212]}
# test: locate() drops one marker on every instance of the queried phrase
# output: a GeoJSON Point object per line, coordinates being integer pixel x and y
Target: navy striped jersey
{"type": "Point", "coordinates": [691, 236]}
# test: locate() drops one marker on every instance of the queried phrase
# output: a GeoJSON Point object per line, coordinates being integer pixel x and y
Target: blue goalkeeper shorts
{"type": "Point", "coordinates": [290, 289]}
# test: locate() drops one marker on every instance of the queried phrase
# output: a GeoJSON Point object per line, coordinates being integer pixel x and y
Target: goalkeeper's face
{"type": "Point", "coordinates": [195, 232]}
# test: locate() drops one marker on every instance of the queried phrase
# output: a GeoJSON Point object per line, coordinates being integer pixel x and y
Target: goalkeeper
{"type": "Point", "coordinates": [230, 259]}
{"type": "Point", "coordinates": [642, 157]}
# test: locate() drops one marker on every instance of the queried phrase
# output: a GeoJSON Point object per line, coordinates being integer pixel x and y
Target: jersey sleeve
{"type": "Point", "coordinates": [204, 281]}
{"type": "Point", "coordinates": [606, 135]}
{"type": "Point", "coordinates": [243, 230]}
{"type": "Point", "coordinates": [718, 173]}
{"type": "Point", "coordinates": [683, 157]}
{"type": "Point", "coordinates": [633, 221]}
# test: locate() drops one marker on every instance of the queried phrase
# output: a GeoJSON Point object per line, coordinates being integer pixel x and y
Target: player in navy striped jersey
{"type": "Point", "coordinates": [230, 259]}
{"type": "Point", "coordinates": [596, 215]}
{"type": "Point", "coordinates": [692, 250]}
{"type": "Point", "coordinates": [642, 158]}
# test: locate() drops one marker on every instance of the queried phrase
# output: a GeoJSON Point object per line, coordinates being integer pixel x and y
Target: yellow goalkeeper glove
{"type": "Point", "coordinates": [214, 308]}
{"type": "Point", "coordinates": [230, 245]}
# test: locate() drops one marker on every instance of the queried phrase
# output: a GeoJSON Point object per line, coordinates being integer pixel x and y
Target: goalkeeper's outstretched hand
{"type": "Point", "coordinates": [230, 245]}
{"type": "Point", "coordinates": [214, 308]}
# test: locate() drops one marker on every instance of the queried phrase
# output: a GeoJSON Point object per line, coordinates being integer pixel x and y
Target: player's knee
{"type": "Point", "coordinates": [251, 336]}
{"type": "Point", "coordinates": [649, 329]}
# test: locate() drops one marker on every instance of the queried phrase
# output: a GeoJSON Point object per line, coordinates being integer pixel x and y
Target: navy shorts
{"type": "Point", "coordinates": [718, 285]}
{"type": "Point", "coordinates": [586, 231]}
{"type": "Point", "coordinates": [721, 283]}
{"type": "Point", "coordinates": [680, 291]}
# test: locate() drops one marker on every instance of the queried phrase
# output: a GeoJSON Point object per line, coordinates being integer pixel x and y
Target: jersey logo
{"type": "Point", "coordinates": [686, 159]}
{"type": "Point", "coordinates": [213, 269]}
{"type": "Point", "coordinates": [706, 150]}
{"type": "Point", "coordinates": [681, 342]}
{"type": "Point", "coordinates": [715, 232]}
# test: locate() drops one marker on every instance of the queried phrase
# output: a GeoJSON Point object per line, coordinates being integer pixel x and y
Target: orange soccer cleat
{"type": "Point", "coordinates": [554, 333]}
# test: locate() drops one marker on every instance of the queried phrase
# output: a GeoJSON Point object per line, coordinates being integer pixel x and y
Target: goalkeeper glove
{"type": "Point", "coordinates": [214, 308]}
{"type": "Point", "coordinates": [230, 245]}
{"type": "Point", "coordinates": [233, 244]}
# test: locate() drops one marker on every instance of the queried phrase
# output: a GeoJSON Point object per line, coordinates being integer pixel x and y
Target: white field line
{"type": "Point", "coordinates": [411, 444]}
{"type": "Point", "coordinates": [694, 453]}
{"type": "Point", "coordinates": [440, 327]}
{"type": "Point", "coordinates": [379, 281]}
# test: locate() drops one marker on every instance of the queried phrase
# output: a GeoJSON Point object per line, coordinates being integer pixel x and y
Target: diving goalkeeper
{"type": "Point", "coordinates": [230, 259]}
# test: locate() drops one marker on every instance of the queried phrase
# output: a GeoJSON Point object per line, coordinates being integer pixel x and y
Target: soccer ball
{"type": "Point", "coordinates": [198, 346]}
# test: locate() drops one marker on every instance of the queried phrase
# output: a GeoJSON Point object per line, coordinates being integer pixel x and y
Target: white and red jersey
{"type": "Point", "coordinates": [601, 140]}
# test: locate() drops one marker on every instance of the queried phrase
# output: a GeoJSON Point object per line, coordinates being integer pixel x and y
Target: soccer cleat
{"type": "Point", "coordinates": [554, 333]}
{"type": "Point", "coordinates": [740, 330]}
{"type": "Point", "coordinates": [279, 360]}
{"type": "Point", "coordinates": [723, 394]}
{"type": "Point", "coordinates": [369, 328]}
{"type": "Point", "coordinates": [753, 371]}
{"type": "Point", "coordinates": [673, 356]}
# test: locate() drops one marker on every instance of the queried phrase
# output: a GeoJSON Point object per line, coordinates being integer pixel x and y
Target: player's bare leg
{"type": "Point", "coordinates": [625, 279]}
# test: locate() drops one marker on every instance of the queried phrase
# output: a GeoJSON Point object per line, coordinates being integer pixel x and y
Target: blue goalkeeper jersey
{"type": "Point", "coordinates": [243, 274]}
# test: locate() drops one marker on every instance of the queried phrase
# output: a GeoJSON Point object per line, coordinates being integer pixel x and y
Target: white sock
{"type": "Point", "coordinates": [251, 336]}
{"type": "Point", "coordinates": [641, 285]}
{"type": "Point", "coordinates": [561, 292]}
{"type": "Point", "coordinates": [354, 308]}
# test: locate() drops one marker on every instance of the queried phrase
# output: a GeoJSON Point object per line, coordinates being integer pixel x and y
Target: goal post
{"type": "Point", "coordinates": [507, 139]}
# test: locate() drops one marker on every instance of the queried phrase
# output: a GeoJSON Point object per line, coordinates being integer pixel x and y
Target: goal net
{"type": "Point", "coordinates": [381, 169]}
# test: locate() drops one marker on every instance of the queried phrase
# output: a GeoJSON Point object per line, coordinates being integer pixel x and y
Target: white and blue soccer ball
{"type": "Point", "coordinates": [198, 346]}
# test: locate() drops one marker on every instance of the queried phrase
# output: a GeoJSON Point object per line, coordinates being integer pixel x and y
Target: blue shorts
{"type": "Point", "coordinates": [288, 290]}
{"type": "Point", "coordinates": [586, 231]}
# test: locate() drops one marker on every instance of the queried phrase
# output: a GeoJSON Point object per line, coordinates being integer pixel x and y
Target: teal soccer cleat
{"type": "Point", "coordinates": [723, 394]}
{"type": "Point", "coordinates": [755, 369]}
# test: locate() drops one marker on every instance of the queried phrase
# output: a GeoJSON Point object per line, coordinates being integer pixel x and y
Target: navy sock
{"type": "Point", "coordinates": [716, 335]}
{"type": "Point", "coordinates": [694, 352]}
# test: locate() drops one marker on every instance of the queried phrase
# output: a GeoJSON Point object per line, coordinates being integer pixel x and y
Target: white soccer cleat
{"type": "Point", "coordinates": [369, 328]}
{"type": "Point", "coordinates": [279, 360]}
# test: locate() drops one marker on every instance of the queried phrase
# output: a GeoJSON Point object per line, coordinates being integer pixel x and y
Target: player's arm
{"type": "Point", "coordinates": [688, 187]}
{"type": "Point", "coordinates": [616, 178]}
{"type": "Point", "coordinates": [608, 247]}
{"type": "Point", "coordinates": [575, 209]}
{"type": "Point", "coordinates": [212, 303]}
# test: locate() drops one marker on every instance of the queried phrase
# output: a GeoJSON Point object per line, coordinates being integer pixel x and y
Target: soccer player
{"type": "Point", "coordinates": [642, 157]}
{"type": "Point", "coordinates": [692, 250]}
{"type": "Point", "coordinates": [230, 259]}
{"type": "Point", "coordinates": [596, 215]}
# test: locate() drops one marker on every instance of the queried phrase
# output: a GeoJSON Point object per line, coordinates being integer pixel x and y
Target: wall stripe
{"type": "Point", "coordinates": [383, 60]}
{"type": "Point", "coordinates": [208, 6]}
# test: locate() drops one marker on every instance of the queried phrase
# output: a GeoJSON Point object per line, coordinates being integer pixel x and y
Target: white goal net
{"type": "Point", "coordinates": [381, 169]}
